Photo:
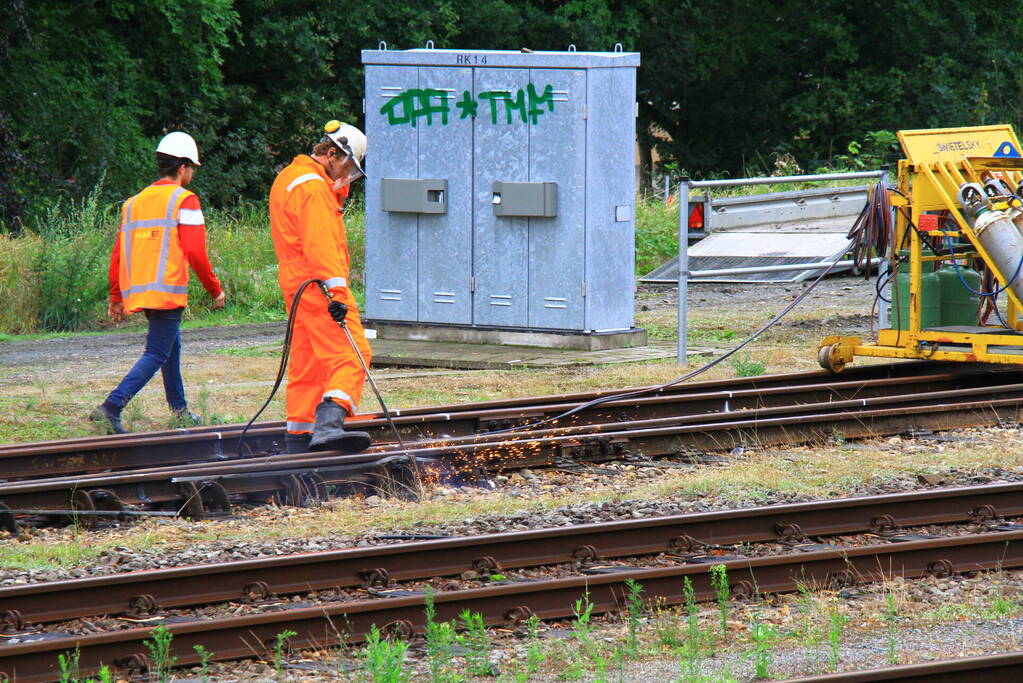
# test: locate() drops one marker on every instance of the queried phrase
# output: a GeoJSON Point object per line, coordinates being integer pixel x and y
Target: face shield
{"type": "Point", "coordinates": [351, 171]}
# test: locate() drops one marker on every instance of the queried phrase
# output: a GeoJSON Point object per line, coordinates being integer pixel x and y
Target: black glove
{"type": "Point", "coordinates": [337, 311]}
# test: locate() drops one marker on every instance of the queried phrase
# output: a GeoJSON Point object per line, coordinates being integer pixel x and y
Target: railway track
{"type": "Point", "coordinates": [204, 444]}
{"type": "Point", "coordinates": [641, 428]}
{"type": "Point", "coordinates": [26, 660]}
{"type": "Point", "coordinates": [1002, 667]}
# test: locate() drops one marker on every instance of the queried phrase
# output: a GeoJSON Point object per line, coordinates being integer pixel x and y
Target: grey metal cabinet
{"type": "Point", "coordinates": [500, 188]}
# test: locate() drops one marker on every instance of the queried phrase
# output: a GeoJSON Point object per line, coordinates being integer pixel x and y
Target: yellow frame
{"type": "Point", "coordinates": [937, 162]}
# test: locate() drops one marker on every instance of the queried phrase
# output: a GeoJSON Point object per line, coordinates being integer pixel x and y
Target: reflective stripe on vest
{"type": "Point", "coordinates": [168, 223]}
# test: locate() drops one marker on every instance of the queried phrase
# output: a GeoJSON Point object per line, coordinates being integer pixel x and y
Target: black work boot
{"type": "Point", "coordinates": [296, 443]}
{"type": "Point", "coordinates": [108, 417]}
{"type": "Point", "coordinates": [329, 433]}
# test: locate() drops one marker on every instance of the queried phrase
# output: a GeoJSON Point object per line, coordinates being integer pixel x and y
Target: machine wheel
{"type": "Point", "coordinates": [830, 360]}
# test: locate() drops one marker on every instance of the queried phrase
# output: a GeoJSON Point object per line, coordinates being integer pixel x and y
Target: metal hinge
{"type": "Point", "coordinates": [584, 288]}
{"type": "Point", "coordinates": [364, 105]}
{"type": "Point", "coordinates": [586, 112]}
{"type": "Point", "coordinates": [472, 283]}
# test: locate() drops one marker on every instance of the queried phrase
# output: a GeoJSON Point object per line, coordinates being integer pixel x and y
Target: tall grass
{"type": "Point", "coordinates": [53, 276]}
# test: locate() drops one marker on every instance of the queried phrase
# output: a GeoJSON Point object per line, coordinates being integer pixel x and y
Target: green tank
{"type": "Point", "coordinates": [959, 306]}
{"type": "Point", "coordinates": [930, 300]}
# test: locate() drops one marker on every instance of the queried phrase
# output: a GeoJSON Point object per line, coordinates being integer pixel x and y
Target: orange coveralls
{"type": "Point", "coordinates": [309, 239]}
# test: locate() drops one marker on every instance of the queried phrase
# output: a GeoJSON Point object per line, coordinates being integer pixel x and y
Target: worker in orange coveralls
{"type": "Point", "coordinates": [325, 377]}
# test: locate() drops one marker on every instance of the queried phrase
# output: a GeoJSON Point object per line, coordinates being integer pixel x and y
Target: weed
{"type": "Point", "coordinates": [383, 660]}
{"type": "Point", "coordinates": [719, 579]}
{"type": "Point", "coordinates": [132, 414]}
{"type": "Point", "coordinates": [836, 621]}
{"type": "Point", "coordinates": [161, 660]}
{"type": "Point", "coordinates": [744, 367]}
{"type": "Point", "coordinates": [891, 617]}
{"type": "Point", "coordinates": [763, 636]}
{"type": "Point", "coordinates": [476, 644]}
{"type": "Point", "coordinates": [441, 639]}
{"type": "Point", "coordinates": [68, 665]}
{"type": "Point", "coordinates": [577, 658]}
{"type": "Point", "coordinates": [280, 649]}
{"type": "Point", "coordinates": [634, 608]}
{"type": "Point", "coordinates": [691, 650]}
{"type": "Point", "coordinates": [1001, 606]}
{"type": "Point", "coordinates": [204, 662]}
{"type": "Point", "coordinates": [204, 405]}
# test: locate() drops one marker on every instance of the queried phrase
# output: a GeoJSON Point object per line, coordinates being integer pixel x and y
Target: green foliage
{"type": "Point", "coordinates": [764, 637]}
{"type": "Point", "coordinates": [634, 607]}
{"type": "Point", "coordinates": [719, 579]}
{"type": "Point", "coordinates": [160, 657]}
{"type": "Point", "coordinates": [383, 660]}
{"type": "Point", "coordinates": [745, 367]}
{"type": "Point", "coordinates": [656, 234]}
{"type": "Point", "coordinates": [476, 643]}
{"type": "Point", "coordinates": [89, 88]}
{"type": "Point", "coordinates": [204, 662]}
{"type": "Point", "coordinates": [836, 622]}
{"type": "Point", "coordinates": [441, 639]}
{"type": "Point", "coordinates": [280, 649]}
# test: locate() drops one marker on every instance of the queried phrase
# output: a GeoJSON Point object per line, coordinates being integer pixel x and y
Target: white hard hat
{"type": "Point", "coordinates": [178, 144]}
{"type": "Point", "coordinates": [349, 138]}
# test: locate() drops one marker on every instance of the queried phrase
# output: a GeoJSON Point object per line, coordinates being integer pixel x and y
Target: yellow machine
{"type": "Point", "coordinates": [957, 200]}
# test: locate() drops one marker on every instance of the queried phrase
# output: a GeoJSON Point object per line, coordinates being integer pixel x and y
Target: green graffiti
{"type": "Point", "coordinates": [415, 104]}
{"type": "Point", "coordinates": [411, 105]}
{"type": "Point", "coordinates": [467, 106]}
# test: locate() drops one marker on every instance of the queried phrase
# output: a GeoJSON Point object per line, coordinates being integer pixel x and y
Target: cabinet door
{"type": "Point", "coordinates": [556, 102]}
{"type": "Point", "coordinates": [391, 238]}
{"type": "Point", "coordinates": [500, 243]}
{"type": "Point", "coordinates": [445, 240]}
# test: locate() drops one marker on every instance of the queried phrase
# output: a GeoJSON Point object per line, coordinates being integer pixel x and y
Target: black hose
{"type": "Point", "coordinates": [285, 353]}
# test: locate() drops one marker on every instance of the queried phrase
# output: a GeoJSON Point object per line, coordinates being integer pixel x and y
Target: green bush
{"type": "Point", "coordinates": [656, 234]}
{"type": "Point", "coordinates": [69, 268]}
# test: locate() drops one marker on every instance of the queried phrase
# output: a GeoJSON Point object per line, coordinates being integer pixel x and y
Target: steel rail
{"type": "Point", "coordinates": [327, 624]}
{"type": "Point", "coordinates": [1002, 667]}
{"type": "Point", "coordinates": [217, 485]}
{"type": "Point", "coordinates": [147, 591]}
{"type": "Point", "coordinates": [120, 452]}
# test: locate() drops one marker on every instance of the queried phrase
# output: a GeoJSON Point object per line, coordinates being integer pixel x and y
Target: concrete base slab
{"type": "Point", "coordinates": [552, 339]}
{"type": "Point", "coordinates": [429, 354]}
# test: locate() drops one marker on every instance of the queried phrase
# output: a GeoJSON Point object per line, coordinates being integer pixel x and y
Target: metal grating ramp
{"type": "Point", "coordinates": [747, 249]}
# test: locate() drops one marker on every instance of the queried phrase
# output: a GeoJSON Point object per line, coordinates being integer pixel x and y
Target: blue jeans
{"type": "Point", "coordinates": [163, 352]}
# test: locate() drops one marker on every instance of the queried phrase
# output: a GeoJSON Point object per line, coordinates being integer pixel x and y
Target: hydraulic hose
{"type": "Point", "coordinates": [281, 369]}
{"type": "Point", "coordinates": [285, 354]}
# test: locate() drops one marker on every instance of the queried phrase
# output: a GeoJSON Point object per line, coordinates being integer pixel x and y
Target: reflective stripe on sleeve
{"type": "Point", "coordinates": [332, 282]}
{"type": "Point", "coordinates": [302, 178]}
{"type": "Point", "coordinates": [191, 217]}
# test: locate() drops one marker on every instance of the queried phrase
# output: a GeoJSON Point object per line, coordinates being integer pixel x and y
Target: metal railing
{"type": "Point", "coordinates": [685, 185]}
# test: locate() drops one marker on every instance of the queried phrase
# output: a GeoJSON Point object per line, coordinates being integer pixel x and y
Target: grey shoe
{"type": "Point", "coordinates": [186, 418]}
{"type": "Point", "coordinates": [329, 433]}
{"type": "Point", "coordinates": [108, 417]}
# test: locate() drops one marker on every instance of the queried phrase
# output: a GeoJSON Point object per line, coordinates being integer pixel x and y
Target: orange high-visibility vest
{"type": "Point", "coordinates": [154, 271]}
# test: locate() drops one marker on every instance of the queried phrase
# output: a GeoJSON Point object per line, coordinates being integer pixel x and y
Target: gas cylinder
{"type": "Point", "coordinates": [1004, 244]}
{"type": "Point", "coordinates": [930, 297]}
{"type": "Point", "coordinates": [959, 305]}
